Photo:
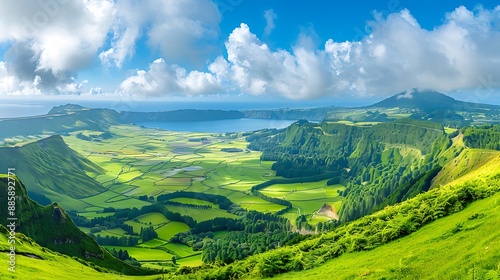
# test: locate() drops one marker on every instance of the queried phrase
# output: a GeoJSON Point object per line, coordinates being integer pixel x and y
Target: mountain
{"type": "Point", "coordinates": [429, 101]}
{"type": "Point", "coordinates": [50, 168]}
{"type": "Point", "coordinates": [59, 120]}
{"type": "Point", "coordinates": [423, 100]}
{"type": "Point", "coordinates": [51, 227]}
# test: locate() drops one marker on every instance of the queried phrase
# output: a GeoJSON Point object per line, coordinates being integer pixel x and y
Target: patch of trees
{"type": "Point", "coordinates": [483, 137]}
{"type": "Point", "coordinates": [146, 198]}
{"type": "Point", "coordinates": [239, 245]}
{"type": "Point", "coordinates": [254, 233]}
{"type": "Point", "coordinates": [188, 205]}
{"type": "Point", "coordinates": [148, 233]}
{"type": "Point", "coordinates": [231, 150]}
{"type": "Point", "coordinates": [128, 229]}
{"type": "Point", "coordinates": [94, 137]}
{"type": "Point", "coordinates": [201, 139]}
{"type": "Point", "coordinates": [115, 241]}
{"type": "Point", "coordinates": [124, 256]}
{"type": "Point", "coordinates": [223, 202]}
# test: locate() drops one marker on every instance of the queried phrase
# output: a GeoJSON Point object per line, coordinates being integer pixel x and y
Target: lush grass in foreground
{"type": "Point", "coordinates": [35, 262]}
{"type": "Point", "coordinates": [465, 245]}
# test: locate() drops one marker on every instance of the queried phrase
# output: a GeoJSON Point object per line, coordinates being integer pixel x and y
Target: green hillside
{"type": "Point", "coordinates": [49, 167]}
{"type": "Point", "coordinates": [52, 228]}
{"type": "Point", "coordinates": [61, 119]}
{"type": "Point", "coordinates": [373, 161]}
{"type": "Point", "coordinates": [469, 163]}
{"type": "Point", "coordinates": [33, 259]}
{"type": "Point", "coordinates": [464, 245]}
{"type": "Point", "coordinates": [446, 233]}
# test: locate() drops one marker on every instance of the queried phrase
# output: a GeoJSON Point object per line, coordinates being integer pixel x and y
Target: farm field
{"type": "Point", "coordinates": [307, 198]}
{"type": "Point", "coordinates": [140, 164]}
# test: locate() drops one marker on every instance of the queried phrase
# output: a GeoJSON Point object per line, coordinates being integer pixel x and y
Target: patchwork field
{"type": "Point", "coordinates": [142, 163]}
{"type": "Point", "coordinates": [307, 198]}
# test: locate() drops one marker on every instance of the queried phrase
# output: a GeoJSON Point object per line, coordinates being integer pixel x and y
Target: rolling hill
{"type": "Point", "coordinates": [51, 227]}
{"type": "Point", "coordinates": [462, 246]}
{"type": "Point", "coordinates": [50, 168]}
{"type": "Point", "coordinates": [33, 259]}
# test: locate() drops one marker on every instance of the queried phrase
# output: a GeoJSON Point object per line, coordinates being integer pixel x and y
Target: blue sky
{"type": "Point", "coordinates": [260, 49]}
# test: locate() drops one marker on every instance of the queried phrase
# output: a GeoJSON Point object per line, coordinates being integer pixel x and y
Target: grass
{"type": "Point", "coordinates": [167, 231]}
{"type": "Point", "coordinates": [180, 250]}
{"type": "Point", "coordinates": [52, 266]}
{"type": "Point", "coordinates": [437, 251]}
{"type": "Point", "coordinates": [469, 164]}
{"type": "Point", "coordinates": [308, 197]}
{"type": "Point", "coordinates": [191, 261]}
{"type": "Point", "coordinates": [152, 219]}
{"type": "Point", "coordinates": [200, 215]}
{"type": "Point", "coordinates": [144, 253]}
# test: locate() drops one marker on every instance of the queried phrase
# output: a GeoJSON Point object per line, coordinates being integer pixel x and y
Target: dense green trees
{"type": "Point", "coordinates": [116, 241]}
{"type": "Point", "coordinates": [124, 256]}
{"type": "Point", "coordinates": [256, 232]}
{"type": "Point", "coordinates": [148, 233]}
{"type": "Point", "coordinates": [223, 202]}
{"type": "Point", "coordinates": [372, 162]}
{"type": "Point", "coordinates": [483, 137]}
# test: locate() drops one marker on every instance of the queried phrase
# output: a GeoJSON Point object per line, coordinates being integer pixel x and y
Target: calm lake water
{"type": "Point", "coordinates": [220, 126]}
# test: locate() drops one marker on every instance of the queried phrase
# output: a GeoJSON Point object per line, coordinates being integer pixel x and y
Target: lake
{"type": "Point", "coordinates": [219, 126]}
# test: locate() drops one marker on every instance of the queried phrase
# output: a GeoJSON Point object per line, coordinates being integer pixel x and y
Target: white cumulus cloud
{"type": "Point", "coordinates": [399, 54]}
{"type": "Point", "coordinates": [163, 79]}
{"type": "Point", "coordinates": [181, 30]}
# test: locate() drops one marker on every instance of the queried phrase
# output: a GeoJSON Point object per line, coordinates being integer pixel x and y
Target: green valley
{"type": "Point", "coordinates": [313, 199]}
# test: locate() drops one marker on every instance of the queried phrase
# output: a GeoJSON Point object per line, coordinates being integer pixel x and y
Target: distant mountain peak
{"type": "Point", "coordinates": [64, 109]}
{"type": "Point", "coordinates": [414, 98]}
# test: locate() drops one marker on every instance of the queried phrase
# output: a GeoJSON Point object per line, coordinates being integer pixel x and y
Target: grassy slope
{"type": "Point", "coordinates": [51, 227]}
{"type": "Point", "coordinates": [50, 167]}
{"type": "Point", "coordinates": [453, 247]}
{"type": "Point", "coordinates": [469, 164]}
{"type": "Point", "coordinates": [52, 265]}
{"type": "Point", "coordinates": [437, 251]}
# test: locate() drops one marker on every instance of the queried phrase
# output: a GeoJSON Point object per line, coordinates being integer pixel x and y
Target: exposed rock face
{"type": "Point", "coordinates": [328, 211]}
{"type": "Point", "coordinates": [67, 240]}
{"type": "Point", "coordinates": [88, 255]}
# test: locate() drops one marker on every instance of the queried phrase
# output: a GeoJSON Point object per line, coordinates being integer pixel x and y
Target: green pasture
{"type": "Point", "coordinates": [308, 197]}
{"type": "Point", "coordinates": [170, 229]}
{"type": "Point", "coordinates": [190, 261]}
{"type": "Point", "coordinates": [144, 254]}
{"type": "Point", "coordinates": [152, 219]}
{"type": "Point", "coordinates": [200, 215]}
